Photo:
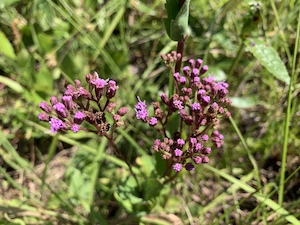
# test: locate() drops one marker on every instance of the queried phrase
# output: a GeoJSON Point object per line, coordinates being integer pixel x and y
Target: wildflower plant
{"type": "Point", "coordinates": [199, 102]}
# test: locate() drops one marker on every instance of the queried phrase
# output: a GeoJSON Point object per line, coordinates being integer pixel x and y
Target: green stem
{"type": "Point", "coordinates": [95, 173]}
{"type": "Point", "coordinates": [50, 155]}
{"type": "Point", "coordinates": [287, 119]}
{"type": "Point", "coordinates": [250, 156]}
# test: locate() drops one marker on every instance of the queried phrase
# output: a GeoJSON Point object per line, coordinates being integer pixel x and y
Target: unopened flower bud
{"type": "Point", "coordinates": [46, 107]}
{"type": "Point", "coordinates": [203, 69]}
{"type": "Point", "coordinates": [77, 84]}
{"type": "Point", "coordinates": [68, 102]}
{"type": "Point", "coordinates": [53, 100]}
{"type": "Point", "coordinates": [111, 106]}
{"type": "Point", "coordinates": [198, 63]}
{"type": "Point", "coordinates": [192, 63]}
{"type": "Point", "coordinates": [205, 159]}
{"type": "Point", "coordinates": [79, 117]}
{"type": "Point", "coordinates": [116, 117]}
{"type": "Point", "coordinates": [44, 117]}
{"type": "Point", "coordinates": [164, 98]}
{"type": "Point", "coordinates": [122, 111]}
{"type": "Point", "coordinates": [189, 166]}
{"type": "Point", "coordinates": [186, 71]}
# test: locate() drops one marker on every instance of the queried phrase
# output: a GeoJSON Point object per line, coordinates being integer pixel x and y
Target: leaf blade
{"type": "Point", "coordinates": [269, 58]}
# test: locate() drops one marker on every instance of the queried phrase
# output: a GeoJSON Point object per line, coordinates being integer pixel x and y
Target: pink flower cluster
{"type": "Point", "coordinates": [75, 107]}
{"type": "Point", "coordinates": [199, 102]}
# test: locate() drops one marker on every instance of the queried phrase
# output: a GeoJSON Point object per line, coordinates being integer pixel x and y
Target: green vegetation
{"type": "Point", "coordinates": [77, 179]}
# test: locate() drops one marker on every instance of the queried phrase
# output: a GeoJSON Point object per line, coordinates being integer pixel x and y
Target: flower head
{"type": "Point", "coordinates": [56, 125]}
{"type": "Point", "coordinates": [78, 104]}
{"type": "Point", "coordinates": [141, 110]}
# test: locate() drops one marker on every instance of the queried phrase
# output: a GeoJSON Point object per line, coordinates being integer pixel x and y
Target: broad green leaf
{"type": "Point", "coordinates": [179, 26]}
{"type": "Point", "coordinates": [243, 102]}
{"type": "Point", "coordinates": [269, 58]}
{"type": "Point", "coordinates": [6, 47]}
{"type": "Point", "coordinates": [177, 22]}
{"type": "Point", "coordinates": [172, 10]}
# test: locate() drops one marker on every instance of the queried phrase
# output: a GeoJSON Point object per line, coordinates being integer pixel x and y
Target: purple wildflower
{"type": "Point", "coordinates": [152, 121]}
{"type": "Point", "coordinates": [180, 142]}
{"type": "Point", "coordinates": [56, 125]}
{"type": "Point", "coordinates": [75, 128]}
{"type": "Point", "coordinates": [99, 83]}
{"type": "Point", "coordinates": [141, 110]}
{"type": "Point", "coordinates": [177, 167]}
{"type": "Point", "coordinates": [177, 152]}
{"type": "Point", "coordinates": [178, 104]}
{"type": "Point", "coordinates": [198, 147]}
{"type": "Point", "coordinates": [116, 117]}
{"type": "Point", "coordinates": [196, 106]}
{"type": "Point", "coordinates": [79, 117]}
{"type": "Point", "coordinates": [205, 137]}
{"type": "Point", "coordinates": [61, 109]}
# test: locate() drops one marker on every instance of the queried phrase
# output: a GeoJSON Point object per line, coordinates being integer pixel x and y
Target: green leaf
{"type": "Point", "coordinates": [6, 47]}
{"type": "Point", "coordinates": [269, 58]}
{"type": "Point", "coordinates": [177, 22]}
{"type": "Point", "coordinates": [172, 10]}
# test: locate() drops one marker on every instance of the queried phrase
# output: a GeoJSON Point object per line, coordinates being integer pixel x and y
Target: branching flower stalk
{"type": "Point", "coordinates": [82, 109]}
{"type": "Point", "coordinates": [199, 102]}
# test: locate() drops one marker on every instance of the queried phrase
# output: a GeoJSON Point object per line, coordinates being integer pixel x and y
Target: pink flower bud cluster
{"type": "Point", "coordinates": [75, 107]}
{"type": "Point", "coordinates": [199, 102]}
